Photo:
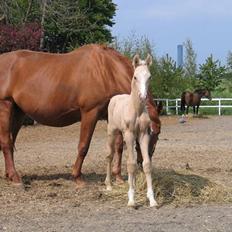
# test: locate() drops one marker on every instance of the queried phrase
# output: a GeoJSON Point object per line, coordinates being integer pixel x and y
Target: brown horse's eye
{"type": "Point", "coordinates": [135, 78]}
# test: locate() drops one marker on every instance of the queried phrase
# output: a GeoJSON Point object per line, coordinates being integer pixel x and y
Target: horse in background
{"type": "Point", "coordinates": [193, 99]}
{"type": "Point", "coordinates": [127, 114]}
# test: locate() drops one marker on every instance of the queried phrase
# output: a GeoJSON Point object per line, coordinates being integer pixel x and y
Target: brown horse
{"type": "Point", "coordinates": [59, 90]}
{"type": "Point", "coordinates": [193, 99]}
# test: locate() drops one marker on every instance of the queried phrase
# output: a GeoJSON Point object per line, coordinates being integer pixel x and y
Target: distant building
{"type": "Point", "coordinates": [180, 61]}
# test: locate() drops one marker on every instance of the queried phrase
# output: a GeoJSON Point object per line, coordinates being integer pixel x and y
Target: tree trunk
{"type": "Point", "coordinates": [28, 10]}
{"type": "Point", "coordinates": [44, 5]}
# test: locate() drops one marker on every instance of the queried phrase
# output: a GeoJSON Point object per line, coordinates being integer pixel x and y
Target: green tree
{"type": "Point", "coordinates": [66, 24]}
{"type": "Point", "coordinates": [133, 44]}
{"type": "Point", "coordinates": [190, 65]}
{"type": "Point", "coordinates": [211, 74]}
{"type": "Point", "coordinates": [168, 80]}
{"type": "Point", "coordinates": [70, 24]}
{"type": "Point", "coordinates": [18, 12]}
{"type": "Point", "coordinates": [229, 61]}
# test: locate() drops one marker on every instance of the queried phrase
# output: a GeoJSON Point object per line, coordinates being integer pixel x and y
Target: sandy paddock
{"type": "Point", "coordinates": [50, 202]}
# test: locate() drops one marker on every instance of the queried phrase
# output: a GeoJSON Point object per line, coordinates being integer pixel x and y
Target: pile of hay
{"type": "Point", "coordinates": [176, 188]}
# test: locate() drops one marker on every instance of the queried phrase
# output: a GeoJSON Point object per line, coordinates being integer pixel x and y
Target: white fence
{"type": "Point", "coordinates": [175, 104]}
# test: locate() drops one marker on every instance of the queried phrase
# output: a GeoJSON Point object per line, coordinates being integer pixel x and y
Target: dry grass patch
{"type": "Point", "coordinates": [176, 188]}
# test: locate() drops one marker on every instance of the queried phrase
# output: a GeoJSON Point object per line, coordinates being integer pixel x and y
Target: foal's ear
{"type": "Point", "coordinates": [136, 61]}
{"type": "Point", "coordinates": [148, 60]}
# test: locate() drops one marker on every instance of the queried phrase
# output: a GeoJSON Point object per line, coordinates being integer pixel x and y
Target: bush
{"type": "Point", "coordinates": [24, 37]}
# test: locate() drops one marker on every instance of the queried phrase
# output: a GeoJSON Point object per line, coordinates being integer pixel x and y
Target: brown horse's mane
{"type": "Point", "coordinates": [200, 91]}
{"type": "Point", "coordinates": [108, 49]}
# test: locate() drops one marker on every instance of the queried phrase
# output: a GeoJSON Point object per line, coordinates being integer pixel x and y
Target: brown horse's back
{"type": "Point", "coordinates": [54, 88]}
{"type": "Point", "coordinates": [188, 98]}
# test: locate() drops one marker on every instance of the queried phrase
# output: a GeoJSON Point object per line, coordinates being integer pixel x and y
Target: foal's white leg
{"type": "Point", "coordinates": [109, 158]}
{"type": "Point", "coordinates": [131, 166]}
{"type": "Point", "coordinates": [147, 167]}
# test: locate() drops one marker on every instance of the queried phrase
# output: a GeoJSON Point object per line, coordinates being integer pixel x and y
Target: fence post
{"type": "Point", "coordinates": [219, 107]}
{"type": "Point", "coordinates": [167, 106]}
{"type": "Point", "coordinates": [176, 107]}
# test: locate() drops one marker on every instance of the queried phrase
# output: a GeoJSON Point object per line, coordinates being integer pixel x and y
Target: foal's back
{"type": "Point", "coordinates": [118, 111]}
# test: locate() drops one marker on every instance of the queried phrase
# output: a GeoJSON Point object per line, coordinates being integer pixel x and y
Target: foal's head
{"type": "Point", "coordinates": [141, 76]}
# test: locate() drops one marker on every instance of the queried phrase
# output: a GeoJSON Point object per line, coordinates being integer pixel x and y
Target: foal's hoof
{"type": "Point", "coordinates": [109, 188]}
{"type": "Point", "coordinates": [153, 204]}
{"type": "Point", "coordinates": [131, 204]}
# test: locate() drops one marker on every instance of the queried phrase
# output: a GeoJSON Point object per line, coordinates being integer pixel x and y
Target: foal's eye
{"type": "Point", "coordinates": [135, 78]}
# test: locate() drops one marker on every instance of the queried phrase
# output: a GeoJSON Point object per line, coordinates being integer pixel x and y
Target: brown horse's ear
{"type": "Point", "coordinates": [148, 60]}
{"type": "Point", "coordinates": [136, 61]}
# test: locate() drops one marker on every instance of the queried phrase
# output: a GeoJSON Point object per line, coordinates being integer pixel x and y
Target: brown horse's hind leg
{"type": "Point", "coordinates": [7, 139]}
{"type": "Point", "coordinates": [118, 158]}
{"type": "Point", "coordinates": [194, 110]}
{"type": "Point", "coordinates": [88, 123]}
{"type": "Point", "coordinates": [16, 122]}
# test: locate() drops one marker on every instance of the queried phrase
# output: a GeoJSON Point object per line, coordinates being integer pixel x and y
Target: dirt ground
{"type": "Point", "coordinates": [50, 202]}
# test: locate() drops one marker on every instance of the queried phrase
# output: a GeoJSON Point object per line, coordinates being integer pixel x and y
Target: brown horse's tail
{"type": "Point", "coordinates": [182, 102]}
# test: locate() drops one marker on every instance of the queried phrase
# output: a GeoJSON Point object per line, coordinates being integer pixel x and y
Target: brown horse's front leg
{"type": "Point", "coordinates": [88, 123]}
{"type": "Point", "coordinates": [152, 144]}
{"type": "Point", "coordinates": [118, 158]}
{"type": "Point", "coordinates": [139, 155]}
{"type": "Point", "coordinates": [7, 137]}
{"type": "Point", "coordinates": [197, 109]}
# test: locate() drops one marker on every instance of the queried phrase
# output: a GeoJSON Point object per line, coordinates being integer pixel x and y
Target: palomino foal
{"type": "Point", "coordinates": [127, 114]}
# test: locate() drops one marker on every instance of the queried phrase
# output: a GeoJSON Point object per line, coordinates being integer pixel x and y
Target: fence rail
{"type": "Point", "coordinates": [169, 104]}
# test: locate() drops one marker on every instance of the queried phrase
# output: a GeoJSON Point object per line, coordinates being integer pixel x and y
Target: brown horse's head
{"type": "Point", "coordinates": [207, 94]}
{"type": "Point", "coordinates": [203, 93]}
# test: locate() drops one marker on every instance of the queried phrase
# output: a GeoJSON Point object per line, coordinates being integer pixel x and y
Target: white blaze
{"type": "Point", "coordinates": [143, 89]}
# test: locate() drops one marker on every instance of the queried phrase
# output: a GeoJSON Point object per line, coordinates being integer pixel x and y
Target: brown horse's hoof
{"type": "Point", "coordinates": [80, 183]}
{"type": "Point", "coordinates": [19, 186]}
{"type": "Point", "coordinates": [14, 178]}
{"type": "Point", "coordinates": [15, 181]}
{"type": "Point", "coordinates": [119, 180]}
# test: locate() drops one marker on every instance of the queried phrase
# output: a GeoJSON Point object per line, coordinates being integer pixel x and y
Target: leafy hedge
{"type": "Point", "coordinates": [23, 37]}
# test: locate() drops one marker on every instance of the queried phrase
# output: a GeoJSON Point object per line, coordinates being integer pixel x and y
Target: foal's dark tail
{"type": "Point", "coordinates": [182, 102]}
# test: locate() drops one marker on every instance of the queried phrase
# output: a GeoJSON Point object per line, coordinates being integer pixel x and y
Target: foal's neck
{"type": "Point", "coordinates": [137, 106]}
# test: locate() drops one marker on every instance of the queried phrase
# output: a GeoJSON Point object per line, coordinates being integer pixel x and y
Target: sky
{"type": "Point", "coordinates": [167, 23]}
